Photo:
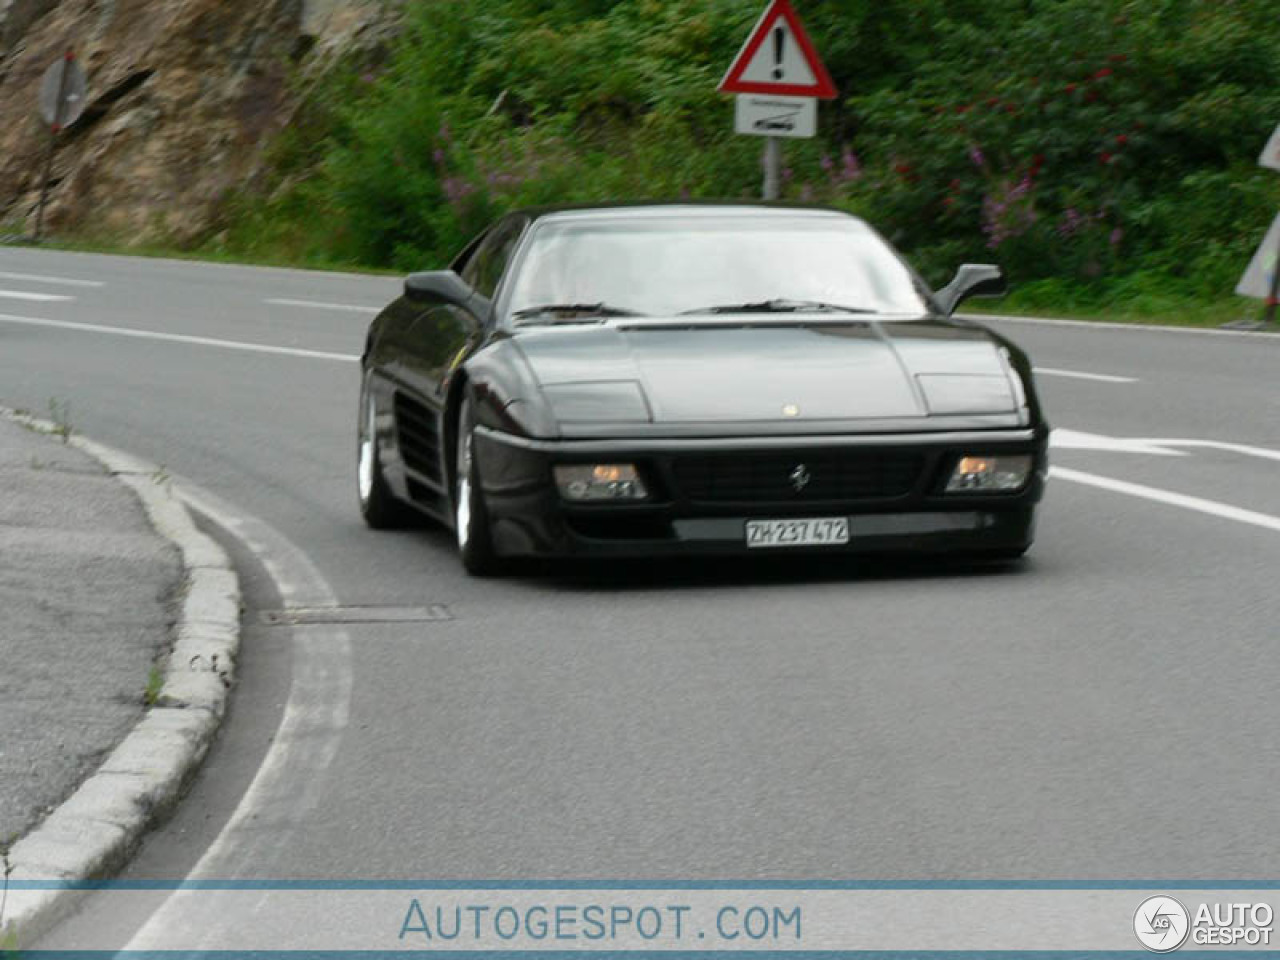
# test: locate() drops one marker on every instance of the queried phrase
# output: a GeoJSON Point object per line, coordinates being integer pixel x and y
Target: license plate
{"type": "Point", "coordinates": [811, 532]}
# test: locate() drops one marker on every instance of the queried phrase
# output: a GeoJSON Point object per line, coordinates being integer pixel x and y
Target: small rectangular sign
{"type": "Point", "coordinates": [1271, 152]}
{"type": "Point", "coordinates": [1256, 281]}
{"type": "Point", "coordinates": [768, 116]}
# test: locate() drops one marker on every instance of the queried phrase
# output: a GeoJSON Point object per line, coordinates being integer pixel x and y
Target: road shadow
{"type": "Point", "coordinates": [611, 576]}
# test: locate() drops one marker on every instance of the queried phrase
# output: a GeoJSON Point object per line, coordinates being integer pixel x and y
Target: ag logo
{"type": "Point", "coordinates": [1162, 924]}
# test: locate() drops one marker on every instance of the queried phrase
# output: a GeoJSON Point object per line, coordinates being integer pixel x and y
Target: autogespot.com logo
{"type": "Point", "coordinates": [1161, 924]}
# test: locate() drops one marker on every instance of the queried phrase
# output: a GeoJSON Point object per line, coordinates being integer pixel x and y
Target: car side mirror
{"type": "Point", "coordinates": [972, 280]}
{"type": "Point", "coordinates": [438, 287]}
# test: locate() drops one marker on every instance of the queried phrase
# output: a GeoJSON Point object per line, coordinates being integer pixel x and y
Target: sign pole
{"type": "Point", "coordinates": [772, 168]}
{"type": "Point", "coordinates": [55, 127]}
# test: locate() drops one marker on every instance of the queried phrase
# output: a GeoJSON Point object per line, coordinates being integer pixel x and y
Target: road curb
{"type": "Point", "coordinates": [92, 834]}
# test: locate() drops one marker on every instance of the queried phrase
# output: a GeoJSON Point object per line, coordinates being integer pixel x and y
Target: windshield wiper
{"type": "Point", "coordinates": [780, 306]}
{"type": "Point", "coordinates": [569, 312]}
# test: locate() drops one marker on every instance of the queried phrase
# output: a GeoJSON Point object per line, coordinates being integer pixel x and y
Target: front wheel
{"type": "Point", "coordinates": [378, 505]}
{"type": "Point", "coordinates": [470, 516]}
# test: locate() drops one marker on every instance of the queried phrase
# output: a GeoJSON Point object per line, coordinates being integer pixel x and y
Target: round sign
{"type": "Point", "coordinates": [62, 93]}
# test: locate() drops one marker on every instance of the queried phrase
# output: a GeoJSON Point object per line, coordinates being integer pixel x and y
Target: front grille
{"type": "Point", "coordinates": [797, 478]}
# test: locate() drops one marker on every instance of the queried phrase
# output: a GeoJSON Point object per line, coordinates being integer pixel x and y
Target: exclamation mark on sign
{"type": "Point", "coordinates": [779, 46]}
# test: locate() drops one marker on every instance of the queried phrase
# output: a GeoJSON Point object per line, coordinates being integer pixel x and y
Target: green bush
{"type": "Point", "coordinates": [1080, 140]}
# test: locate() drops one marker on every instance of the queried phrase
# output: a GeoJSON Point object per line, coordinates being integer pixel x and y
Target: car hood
{"type": "Point", "coordinates": [744, 371]}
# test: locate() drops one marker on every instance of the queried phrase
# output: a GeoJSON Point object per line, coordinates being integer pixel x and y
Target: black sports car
{"type": "Point", "coordinates": [696, 379]}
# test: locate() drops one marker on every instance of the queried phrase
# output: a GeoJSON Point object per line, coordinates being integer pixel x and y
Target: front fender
{"type": "Point", "coordinates": [507, 395]}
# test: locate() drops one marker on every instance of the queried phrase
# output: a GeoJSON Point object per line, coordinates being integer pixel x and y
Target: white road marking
{"type": "Point", "coordinates": [1078, 440]}
{"type": "Point", "coordinates": [59, 281]}
{"type": "Point", "coordinates": [1213, 508]}
{"type": "Point", "coordinates": [287, 785]}
{"type": "Point", "coordinates": [317, 305]}
{"type": "Point", "coordinates": [1263, 453]}
{"type": "Point", "coordinates": [1063, 439]}
{"type": "Point", "coordinates": [1109, 325]}
{"type": "Point", "coordinates": [1079, 375]}
{"type": "Point", "coordinates": [35, 297]}
{"type": "Point", "coordinates": [181, 338]}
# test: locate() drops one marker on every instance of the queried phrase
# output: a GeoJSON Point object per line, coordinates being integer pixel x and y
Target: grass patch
{"type": "Point", "coordinates": [155, 683]}
{"type": "Point", "coordinates": [260, 256]}
{"type": "Point", "coordinates": [1142, 298]}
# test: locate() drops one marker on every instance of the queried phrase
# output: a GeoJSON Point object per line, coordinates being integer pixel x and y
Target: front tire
{"type": "Point", "coordinates": [381, 509]}
{"type": "Point", "coordinates": [470, 516]}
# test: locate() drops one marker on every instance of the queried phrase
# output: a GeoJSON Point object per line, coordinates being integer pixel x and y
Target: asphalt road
{"type": "Point", "coordinates": [1105, 711]}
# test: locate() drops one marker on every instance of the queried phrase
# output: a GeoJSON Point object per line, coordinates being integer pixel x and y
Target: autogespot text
{"type": "Point", "coordinates": [426, 923]}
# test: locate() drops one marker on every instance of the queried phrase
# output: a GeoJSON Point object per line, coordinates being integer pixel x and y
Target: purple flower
{"type": "Point", "coordinates": [1116, 236]}
{"type": "Point", "coordinates": [851, 169]}
{"type": "Point", "coordinates": [827, 163]}
{"type": "Point", "coordinates": [977, 156]}
{"type": "Point", "coordinates": [456, 190]}
{"type": "Point", "coordinates": [439, 157]}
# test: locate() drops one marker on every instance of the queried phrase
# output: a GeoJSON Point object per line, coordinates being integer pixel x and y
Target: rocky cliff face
{"type": "Point", "coordinates": [183, 95]}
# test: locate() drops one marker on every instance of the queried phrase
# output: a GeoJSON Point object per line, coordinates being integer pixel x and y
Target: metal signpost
{"type": "Point", "coordinates": [778, 77]}
{"type": "Point", "coordinates": [62, 101]}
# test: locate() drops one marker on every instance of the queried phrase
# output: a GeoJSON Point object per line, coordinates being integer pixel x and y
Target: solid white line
{"type": "Point", "coordinates": [316, 305]}
{"type": "Point", "coordinates": [181, 338]}
{"type": "Point", "coordinates": [1211, 507]}
{"type": "Point", "coordinates": [1110, 325]}
{"type": "Point", "coordinates": [36, 297]}
{"type": "Point", "coordinates": [60, 281]}
{"type": "Point", "coordinates": [1078, 375]}
{"type": "Point", "coordinates": [287, 785]}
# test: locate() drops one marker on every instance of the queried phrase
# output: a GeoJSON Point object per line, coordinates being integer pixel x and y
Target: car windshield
{"type": "Point", "coordinates": [666, 266]}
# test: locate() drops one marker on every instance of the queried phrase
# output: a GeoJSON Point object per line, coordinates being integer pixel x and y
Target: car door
{"type": "Point", "coordinates": [440, 340]}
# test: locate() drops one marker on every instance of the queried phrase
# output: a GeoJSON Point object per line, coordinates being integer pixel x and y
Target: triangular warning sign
{"type": "Point", "coordinates": [779, 58]}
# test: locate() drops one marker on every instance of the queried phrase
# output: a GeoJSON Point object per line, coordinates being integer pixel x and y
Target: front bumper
{"type": "Point", "coordinates": [527, 516]}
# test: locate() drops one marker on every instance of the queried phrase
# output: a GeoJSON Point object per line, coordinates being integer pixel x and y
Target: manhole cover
{"type": "Point", "coordinates": [300, 616]}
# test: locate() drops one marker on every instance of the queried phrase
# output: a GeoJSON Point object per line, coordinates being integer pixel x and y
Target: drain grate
{"type": "Point", "coordinates": [302, 616]}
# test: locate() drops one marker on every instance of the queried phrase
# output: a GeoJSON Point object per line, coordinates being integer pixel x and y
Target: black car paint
{"type": "Point", "coordinates": [420, 358]}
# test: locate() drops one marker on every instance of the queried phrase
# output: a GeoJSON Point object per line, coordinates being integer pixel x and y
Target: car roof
{"type": "Point", "coordinates": [710, 208]}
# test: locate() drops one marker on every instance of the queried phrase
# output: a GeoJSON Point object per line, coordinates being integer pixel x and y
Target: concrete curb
{"type": "Point", "coordinates": [93, 833]}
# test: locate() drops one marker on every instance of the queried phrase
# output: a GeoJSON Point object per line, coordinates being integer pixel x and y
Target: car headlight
{"type": "Point", "coordinates": [600, 481]}
{"type": "Point", "coordinates": [985, 474]}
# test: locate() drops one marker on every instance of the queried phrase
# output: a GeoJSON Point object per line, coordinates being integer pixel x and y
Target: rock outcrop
{"type": "Point", "coordinates": [183, 97]}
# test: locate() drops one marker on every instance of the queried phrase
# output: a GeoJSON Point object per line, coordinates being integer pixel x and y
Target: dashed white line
{"type": "Point", "coordinates": [1213, 508]}
{"type": "Point", "coordinates": [181, 338]}
{"type": "Point", "coordinates": [1080, 375]}
{"type": "Point", "coordinates": [34, 297]}
{"type": "Point", "coordinates": [317, 305]}
{"type": "Point", "coordinates": [58, 281]}
{"type": "Point", "coordinates": [1063, 439]}
{"type": "Point", "coordinates": [1262, 453]}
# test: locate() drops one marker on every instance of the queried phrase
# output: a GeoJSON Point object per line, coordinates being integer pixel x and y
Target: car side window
{"type": "Point", "coordinates": [484, 270]}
